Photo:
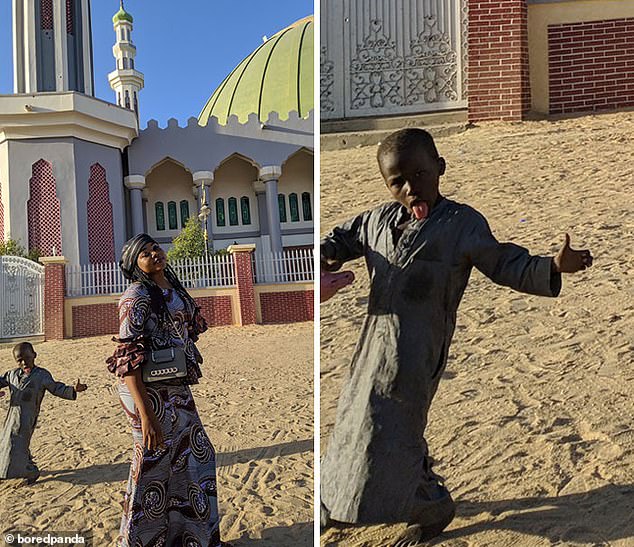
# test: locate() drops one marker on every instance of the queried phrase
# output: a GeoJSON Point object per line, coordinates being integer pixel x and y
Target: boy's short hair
{"type": "Point", "coordinates": [404, 139]}
{"type": "Point", "coordinates": [23, 345]}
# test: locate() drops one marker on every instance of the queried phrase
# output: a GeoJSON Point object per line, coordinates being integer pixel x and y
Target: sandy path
{"type": "Point", "coordinates": [255, 401]}
{"type": "Point", "coordinates": [532, 425]}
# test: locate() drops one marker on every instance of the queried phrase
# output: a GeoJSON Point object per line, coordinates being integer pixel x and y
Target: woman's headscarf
{"type": "Point", "coordinates": [130, 254]}
{"type": "Point", "coordinates": [130, 269]}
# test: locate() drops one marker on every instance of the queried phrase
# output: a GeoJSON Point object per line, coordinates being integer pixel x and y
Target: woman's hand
{"type": "Point", "coordinates": [152, 432]}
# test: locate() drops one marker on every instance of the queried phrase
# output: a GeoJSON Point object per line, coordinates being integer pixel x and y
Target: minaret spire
{"type": "Point", "coordinates": [125, 80]}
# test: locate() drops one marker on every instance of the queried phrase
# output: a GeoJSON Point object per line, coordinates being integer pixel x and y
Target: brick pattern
{"type": "Point", "coordinates": [100, 219]}
{"type": "Point", "coordinates": [287, 307]}
{"type": "Point", "coordinates": [591, 65]}
{"type": "Point", "coordinates": [54, 290]}
{"type": "Point", "coordinates": [95, 320]}
{"type": "Point", "coordinates": [100, 319]}
{"type": "Point", "coordinates": [498, 77]}
{"type": "Point", "coordinates": [216, 310]}
{"type": "Point", "coordinates": [244, 280]}
{"type": "Point", "coordinates": [70, 16]}
{"type": "Point", "coordinates": [44, 211]}
{"type": "Point", "coordinates": [46, 14]}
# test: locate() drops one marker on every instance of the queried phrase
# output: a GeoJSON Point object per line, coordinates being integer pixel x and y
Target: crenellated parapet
{"type": "Point", "coordinates": [203, 148]}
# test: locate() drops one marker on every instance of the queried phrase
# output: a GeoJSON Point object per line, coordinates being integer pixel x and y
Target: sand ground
{"type": "Point", "coordinates": [255, 400]}
{"type": "Point", "coordinates": [533, 424]}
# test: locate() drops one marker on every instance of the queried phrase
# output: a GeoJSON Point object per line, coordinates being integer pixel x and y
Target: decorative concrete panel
{"type": "Point", "coordinates": [44, 211]}
{"type": "Point", "coordinates": [100, 220]}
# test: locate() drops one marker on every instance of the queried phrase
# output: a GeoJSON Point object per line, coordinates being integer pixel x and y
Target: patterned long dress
{"type": "Point", "coordinates": [171, 497]}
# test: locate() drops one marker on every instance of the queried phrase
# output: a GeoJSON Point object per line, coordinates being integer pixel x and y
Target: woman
{"type": "Point", "coordinates": [171, 495]}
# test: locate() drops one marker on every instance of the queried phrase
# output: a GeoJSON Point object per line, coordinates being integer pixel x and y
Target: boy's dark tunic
{"type": "Point", "coordinates": [27, 392]}
{"type": "Point", "coordinates": [376, 468]}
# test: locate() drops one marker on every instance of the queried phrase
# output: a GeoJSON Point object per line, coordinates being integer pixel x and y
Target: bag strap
{"type": "Point", "coordinates": [171, 318]}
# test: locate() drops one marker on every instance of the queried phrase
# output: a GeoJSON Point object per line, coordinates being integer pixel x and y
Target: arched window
{"type": "Point", "coordinates": [184, 212]}
{"type": "Point", "coordinates": [306, 208]}
{"type": "Point", "coordinates": [220, 212]}
{"type": "Point", "coordinates": [122, 35]}
{"type": "Point", "coordinates": [281, 201]}
{"type": "Point", "coordinates": [131, 62]}
{"type": "Point", "coordinates": [159, 211]}
{"type": "Point", "coordinates": [171, 215]}
{"type": "Point", "coordinates": [293, 205]}
{"type": "Point", "coordinates": [233, 211]}
{"type": "Point", "coordinates": [245, 210]}
{"type": "Point", "coordinates": [127, 99]}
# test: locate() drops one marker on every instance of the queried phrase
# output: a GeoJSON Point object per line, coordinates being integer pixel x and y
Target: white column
{"type": "Point", "coordinates": [61, 45]}
{"type": "Point", "coordinates": [136, 184]}
{"type": "Point", "coordinates": [270, 175]}
{"type": "Point", "coordinates": [86, 45]}
{"type": "Point", "coordinates": [203, 181]}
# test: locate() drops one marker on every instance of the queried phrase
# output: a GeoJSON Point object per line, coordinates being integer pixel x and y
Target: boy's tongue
{"type": "Point", "coordinates": [420, 210]}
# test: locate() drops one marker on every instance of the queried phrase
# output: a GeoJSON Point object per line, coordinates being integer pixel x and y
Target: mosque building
{"type": "Point", "coordinates": [78, 176]}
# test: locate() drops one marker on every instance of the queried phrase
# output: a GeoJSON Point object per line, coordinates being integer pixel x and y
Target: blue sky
{"type": "Point", "coordinates": [185, 48]}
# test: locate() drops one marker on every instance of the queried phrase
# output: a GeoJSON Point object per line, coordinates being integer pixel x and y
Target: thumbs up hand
{"type": "Point", "coordinates": [569, 260]}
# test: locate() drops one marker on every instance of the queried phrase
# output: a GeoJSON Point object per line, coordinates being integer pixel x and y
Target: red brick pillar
{"type": "Point", "coordinates": [54, 293]}
{"type": "Point", "coordinates": [244, 281]}
{"type": "Point", "coordinates": [498, 76]}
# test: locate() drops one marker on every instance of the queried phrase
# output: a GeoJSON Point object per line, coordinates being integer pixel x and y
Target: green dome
{"type": "Point", "coordinates": [276, 77]}
{"type": "Point", "coordinates": [122, 15]}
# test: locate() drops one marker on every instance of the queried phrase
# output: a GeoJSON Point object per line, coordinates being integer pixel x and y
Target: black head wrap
{"type": "Point", "coordinates": [128, 264]}
{"type": "Point", "coordinates": [130, 254]}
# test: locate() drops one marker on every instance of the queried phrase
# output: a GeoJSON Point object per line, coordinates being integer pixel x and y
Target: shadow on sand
{"type": "Point", "coordinates": [97, 474]}
{"type": "Point", "coordinates": [296, 535]}
{"type": "Point", "coordinates": [597, 517]}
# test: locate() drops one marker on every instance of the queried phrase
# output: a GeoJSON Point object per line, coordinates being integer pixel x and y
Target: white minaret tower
{"type": "Point", "coordinates": [126, 81]}
{"type": "Point", "coordinates": [52, 46]}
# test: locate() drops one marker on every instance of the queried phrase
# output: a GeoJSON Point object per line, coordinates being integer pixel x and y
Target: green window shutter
{"type": "Point", "coordinates": [171, 215]}
{"type": "Point", "coordinates": [220, 212]}
{"type": "Point", "coordinates": [233, 211]}
{"type": "Point", "coordinates": [246, 210]}
{"type": "Point", "coordinates": [293, 205]}
{"type": "Point", "coordinates": [160, 215]}
{"type": "Point", "coordinates": [307, 210]}
{"type": "Point", "coordinates": [184, 212]}
{"type": "Point", "coordinates": [281, 201]}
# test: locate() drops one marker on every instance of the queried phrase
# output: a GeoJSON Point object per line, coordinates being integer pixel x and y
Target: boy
{"type": "Point", "coordinates": [419, 251]}
{"type": "Point", "coordinates": [27, 385]}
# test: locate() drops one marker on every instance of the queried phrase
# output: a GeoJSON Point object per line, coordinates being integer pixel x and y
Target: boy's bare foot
{"type": "Point", "coordinates": [29, 481]}
{"type": "Point", "coordinates": [417, 535]}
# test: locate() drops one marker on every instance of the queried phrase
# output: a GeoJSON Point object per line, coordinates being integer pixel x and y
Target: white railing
{"type": "Point", "coordinates": [94, 279]}
{"type": "Point", "coordinates": [289, 266]}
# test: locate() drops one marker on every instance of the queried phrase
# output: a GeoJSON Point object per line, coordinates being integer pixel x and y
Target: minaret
{"type": "Point", "coordinates": [126, 81]}
{"type": "Point", "coordinates": [52, 46]}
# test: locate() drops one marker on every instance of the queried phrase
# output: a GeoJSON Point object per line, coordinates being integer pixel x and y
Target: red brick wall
{"type": "Point", "coordinates": [100, 319]}
{"type": "Point", "coordinates": [95, 320]}
{"type": "Point", "coordinates": [54, 290]}
{"type": "Point", "coordinates": [591, 65]}
{"type": "Point", "coordinates": [244, 281]}
{"type": "Point", "coordinates": [287, 307]}
{"type": "Point", "coordinates": [498, 77]}
{"type": "Point", "coordinates": [216, 310]}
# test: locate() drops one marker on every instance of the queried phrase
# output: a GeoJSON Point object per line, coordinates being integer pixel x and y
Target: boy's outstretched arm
{"type": "Point", "coordinates": [59, 389]}
{"type": "Point", "coordinates": [513, 266]}
{"type": "Point", "coordinates": [344, 243]}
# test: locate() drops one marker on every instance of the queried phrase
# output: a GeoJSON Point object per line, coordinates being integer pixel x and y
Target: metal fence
{"type": "Point", "coordinates": [21, 297]}
{"type": "Point", "coordinates": [291, 265]}
{"type": "Point", "coordinates": [95, 279]}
